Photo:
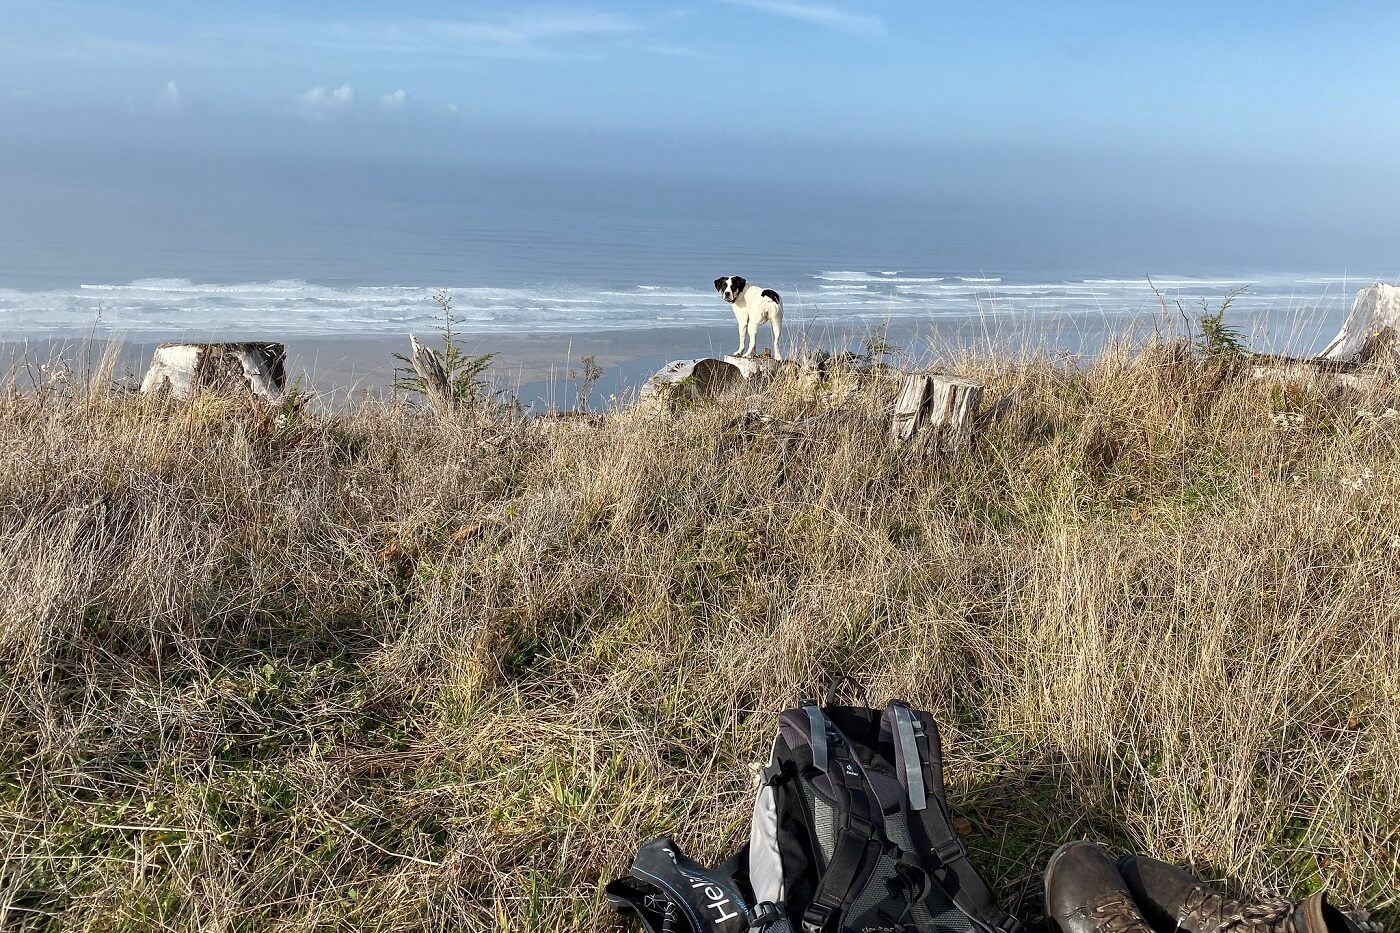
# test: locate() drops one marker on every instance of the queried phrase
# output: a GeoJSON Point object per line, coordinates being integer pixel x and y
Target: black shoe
{"type": "Point", "coordinates": [1085, 894]}
{"type": "Point", "coordinates": [1174, 899]}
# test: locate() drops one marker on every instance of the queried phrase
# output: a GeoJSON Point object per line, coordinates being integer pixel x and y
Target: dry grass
{"type": "Point", "coordinates": [375, 671]}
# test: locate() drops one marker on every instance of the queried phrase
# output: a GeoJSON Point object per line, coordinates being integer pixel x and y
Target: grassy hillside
{"type": "Point", "coordinates": [378, 671]}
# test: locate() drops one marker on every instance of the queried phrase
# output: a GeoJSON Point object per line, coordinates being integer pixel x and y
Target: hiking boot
{"type": "Point", "coordinates": [1174, 899]}
{"type": "Point", "coordinates": [1085, 894]}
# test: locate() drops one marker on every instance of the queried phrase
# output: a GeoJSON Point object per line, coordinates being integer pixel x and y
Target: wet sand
{"type": "Point", "coordinates": [536, 367]}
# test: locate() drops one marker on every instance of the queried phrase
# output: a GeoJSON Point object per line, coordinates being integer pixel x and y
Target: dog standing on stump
{"type": "Point", "coordinates": [753, 307]}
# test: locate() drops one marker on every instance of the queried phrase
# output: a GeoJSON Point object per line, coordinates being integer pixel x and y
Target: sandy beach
{"type": "Point", "coordinates": [536, 367]}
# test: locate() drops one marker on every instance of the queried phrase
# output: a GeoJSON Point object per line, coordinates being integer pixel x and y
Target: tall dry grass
{"type": "Point", "coordinates": [378, 671]}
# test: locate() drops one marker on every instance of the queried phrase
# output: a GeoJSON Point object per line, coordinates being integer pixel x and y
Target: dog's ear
{"type": "Point", "coordinates": [740, 283]}
{"type": "Point", "coordinates": [719, 285]}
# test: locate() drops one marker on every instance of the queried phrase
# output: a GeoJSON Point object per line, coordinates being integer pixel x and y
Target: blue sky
{"type": "Point", "coordinates": [1290, 80]}
{"type": "Point", "coordinates": [1279, 115]}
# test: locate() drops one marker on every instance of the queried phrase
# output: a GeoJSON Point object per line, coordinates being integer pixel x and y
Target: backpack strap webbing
{"type": "Point", "coordinates": [911, 773]}
{"type": "Point", "coordinates": [954, 873]}
{"type": "Point", "coordinates": [858, 828]}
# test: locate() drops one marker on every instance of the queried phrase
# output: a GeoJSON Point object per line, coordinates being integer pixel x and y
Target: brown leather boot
{"type": "Point", "coordinates": [1174, 899]}
{"type": "Point", "coordinates": [1085, 894]}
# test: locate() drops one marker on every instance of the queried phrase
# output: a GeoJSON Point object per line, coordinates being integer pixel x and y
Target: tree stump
{"type": "Point", "coordinates": [433, 376]}
{"type": "Point", "coordinates": [945, 405]}
{"type": "Point", "coordinates": [186, 369]}
{"type": "Point", "coordinates": [696, 378]}
{"type": "Point", "coordinates": [1369, 331]}
{"type": "Point", "coordinates": [1364, 356]}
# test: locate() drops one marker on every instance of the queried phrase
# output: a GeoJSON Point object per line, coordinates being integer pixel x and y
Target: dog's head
{"type": "Point", "coordinates": [731, 287]}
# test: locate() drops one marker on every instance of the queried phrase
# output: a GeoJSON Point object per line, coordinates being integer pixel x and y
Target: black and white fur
{"type": "Point", "coordinates": [753, 307]}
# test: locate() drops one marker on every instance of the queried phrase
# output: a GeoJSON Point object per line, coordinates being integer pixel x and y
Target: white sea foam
{"type": "Point", "coordinates": [881, 277]}
{"type": "Point", "coordinates": [175, 306]}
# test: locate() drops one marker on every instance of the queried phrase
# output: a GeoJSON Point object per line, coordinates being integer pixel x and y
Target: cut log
{"type": "Point", "coordinates": [1370, 328]}
{"type": "Point", "coordinates": [946, 406]}
{"type": "Point", "coordinates": [952, 411]}
{"type": "Point", "coordinates": [433, 376]}
{"type": "Point", "coordinates": [696, 378]}
{"type": "Point", "coordinates": [909, 406]}
{"type": "Point", "coordinates": [185, 369]}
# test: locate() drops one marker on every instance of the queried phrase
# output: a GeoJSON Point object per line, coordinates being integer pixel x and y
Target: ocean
{"type": "Point", "coordinates": [278, 248]}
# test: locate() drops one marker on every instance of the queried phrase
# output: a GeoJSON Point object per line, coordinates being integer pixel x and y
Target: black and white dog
{"type": "Point", "coordinates": [753, 307]}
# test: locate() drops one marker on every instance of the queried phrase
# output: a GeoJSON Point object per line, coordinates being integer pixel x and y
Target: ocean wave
{"type": "Point", "coordinates": [172, 307]}
{"type": "Point", "coordinates": [867, 277]}
{"type": "Point", "coordinates": [1144, 284]}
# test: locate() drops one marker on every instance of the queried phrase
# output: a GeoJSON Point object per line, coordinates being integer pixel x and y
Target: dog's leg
{"type": "Point", "coordinates": [777, 323]}
{"type": "Point", "coordinates": [740, 351]}
{"type": "Point", "coordinates": [753, 339]}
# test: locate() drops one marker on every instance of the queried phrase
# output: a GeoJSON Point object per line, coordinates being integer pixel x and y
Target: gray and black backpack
{"type": "Point", "coordinates": [851, 832]}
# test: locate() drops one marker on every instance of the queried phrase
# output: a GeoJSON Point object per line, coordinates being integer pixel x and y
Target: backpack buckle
{"type": "Point", "coordinates": [817, 919]}
{"type": "Point", "coordinates": [950, 850]}
{"type": "Point", "coordinates": [767, 913]}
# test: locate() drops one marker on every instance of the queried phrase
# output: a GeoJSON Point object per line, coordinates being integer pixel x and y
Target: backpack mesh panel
{"type": "Point", "coordinates": [935, 913]}
{"type": "Point", "coordinates": [823, 817]}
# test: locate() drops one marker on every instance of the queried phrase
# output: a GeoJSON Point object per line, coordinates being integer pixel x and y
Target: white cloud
{"type": "Point", "coordinates": [169, 99]}
{"type": "Point", "coordinates": [819, 14]}
{"type": "Point", "coordinates": [521, 30]}
{"type": "Point", "coordinates": [676, 51]}
{"type": "Point", "coordinates": [533, 35]}
{"type": "Point", "coordinates": [395, 100]}
{"type": "Point", "coordinates": [320, 102]}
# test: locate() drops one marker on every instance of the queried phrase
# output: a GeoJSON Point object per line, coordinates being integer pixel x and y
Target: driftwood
{"type": "Point", "coordinates": [945, 405]}
{"type": "Point", "coordinates": [1282, 369]}
{"type": "Point", "coordinates": [185, 369]}
{"type": "Point", "coordinates": [1370, 328]}
{"type": "Point", "coordinates": [695, 378]}
{"type": "Point", "coordinates": [433, 376]}
{"type": "Point", "coordinates": [566, 422]}
{"type": "Point", "coordinates": [995, 413]}
{"type": "Point", "coordinates": [1363, 356]}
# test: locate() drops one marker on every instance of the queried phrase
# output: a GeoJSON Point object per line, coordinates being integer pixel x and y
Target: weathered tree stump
{"type": "Point", "coordinates": [433, 376]}
{"type": "Point", "coordinates": [696, 378]}
{"type": "Point", "coordinates": [946, 406]}
{"type": "Point", "coordinates": [1364, 356]}
{"type": "Point", "coordinates": [185, 369]}
{"type": "Point", "coordinates": [1369, 331]}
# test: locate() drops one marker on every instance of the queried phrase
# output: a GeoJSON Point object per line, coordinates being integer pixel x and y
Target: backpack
{"type": "Point", "coordinates": [851, 833]}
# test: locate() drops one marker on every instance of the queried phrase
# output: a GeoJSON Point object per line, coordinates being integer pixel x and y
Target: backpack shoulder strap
{"type": "Point", "coordinates": [859, 826]}
{"type": "Point", "coordinates": [919, 767]}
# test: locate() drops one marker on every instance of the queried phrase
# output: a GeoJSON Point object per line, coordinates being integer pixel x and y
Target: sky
{"type": "Point", "coordinates": [1278, 112]}
{"type": "Point", "coordinates": [1295, 80]}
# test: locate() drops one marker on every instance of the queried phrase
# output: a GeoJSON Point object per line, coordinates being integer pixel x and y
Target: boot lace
{"type": "Point", "coordinates": [1204, 909]}
{"type": "Point", "coordinates": [1117, 914]}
